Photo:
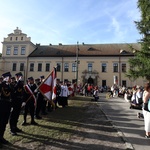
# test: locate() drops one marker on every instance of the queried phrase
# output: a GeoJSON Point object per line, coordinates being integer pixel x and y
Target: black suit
{"type": "Point", "coordinates": [30, 102]}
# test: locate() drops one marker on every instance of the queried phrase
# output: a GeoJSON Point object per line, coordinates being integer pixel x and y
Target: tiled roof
{"type": "Point", "coordinates": [84, 50]}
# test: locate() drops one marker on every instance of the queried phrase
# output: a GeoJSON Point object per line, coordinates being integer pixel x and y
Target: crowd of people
{"type": "Point", "coordinates": [16, 95]}
{"type": "Point", "coordinates": [137, 96]}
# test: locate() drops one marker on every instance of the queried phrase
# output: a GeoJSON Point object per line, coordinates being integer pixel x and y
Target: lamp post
{"type": "Point", "coordinates": [77, 62]}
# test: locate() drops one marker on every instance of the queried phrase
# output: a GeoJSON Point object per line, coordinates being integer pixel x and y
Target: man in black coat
{"type": "Point", "coordinates": [29, 100]}
{"type": "Point", "coordinates": [17, 99]}
{"type": "Point", "coordinates": [5, 105]}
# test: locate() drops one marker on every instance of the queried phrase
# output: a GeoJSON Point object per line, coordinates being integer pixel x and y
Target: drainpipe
{"type": "Point", "coordinates": [77, 62]}
{"type": "Point", "coordinates": [119, 71]}
{"type": "Point", "coordinates": [26, 70]}
{"type": "Point", "coordinates": [62, 75]}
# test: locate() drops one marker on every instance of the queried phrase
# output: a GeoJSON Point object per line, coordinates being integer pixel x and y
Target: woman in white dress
{"type": "Point", "coordinates": [146, 112]}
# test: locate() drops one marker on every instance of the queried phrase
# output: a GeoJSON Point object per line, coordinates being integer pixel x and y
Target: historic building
{"type": "Point", "coordinates": [99, 64]}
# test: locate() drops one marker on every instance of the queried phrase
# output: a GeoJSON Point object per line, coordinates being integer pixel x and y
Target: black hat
{"type": "Point", "coordinates": [7, 74]}
{"type": "Point", "coordinates": [18, 74]}
{"type": "Point", "coordinates": [42, 77]}
{"type": "Point", "coordinates": [37, 79]}
{"type": "Point", "coordinates": [58, 80]}
{"type": "Point", "coordinates": [30, 78]}
{"type": "Point", "coordinates": [61, 82]}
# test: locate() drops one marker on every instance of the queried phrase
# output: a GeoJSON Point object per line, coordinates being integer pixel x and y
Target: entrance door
{"type": "Point", "coordinates": [90, 80]}
{"type": "Point", "coordinates": [124, 83]}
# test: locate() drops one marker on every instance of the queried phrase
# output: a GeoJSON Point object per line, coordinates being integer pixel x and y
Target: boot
{"type": "Point", "coordinates": [24, 122]}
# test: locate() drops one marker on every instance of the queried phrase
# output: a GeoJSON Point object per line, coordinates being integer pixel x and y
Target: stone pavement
{"type": "Point", "coordinates": [125, 121]}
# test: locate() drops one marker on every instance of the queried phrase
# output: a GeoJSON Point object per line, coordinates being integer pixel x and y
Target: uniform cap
{"type": "Point", "coordinates": [30, 78]}
{"type": "Point", "coordinates": [7, 74]}
{"type": "Point", "coordinates": [18, 74]}
{"type": "Point", "coordinates": [42, 77]}
{"type": "Point", "coordinates": [37, 79]}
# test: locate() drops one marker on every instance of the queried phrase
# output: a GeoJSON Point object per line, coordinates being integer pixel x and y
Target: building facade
{"type": "Point", "coordinates": [98, 64]}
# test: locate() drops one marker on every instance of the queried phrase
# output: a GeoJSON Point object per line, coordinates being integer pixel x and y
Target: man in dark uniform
{"type": "Point", "coordinates": [45, 101]}
{"type": "Point", "coordinates": [17, 99]}
{"type": "Point", "coordinates": [40, 101]}
{"type": "Point", "coordinates": [5, 105]}
{"type": "Point", "coordinates": [29, 100]}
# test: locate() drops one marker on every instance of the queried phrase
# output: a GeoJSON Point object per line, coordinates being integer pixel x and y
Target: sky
{"type": "Point", "coordinates": [71, 21]}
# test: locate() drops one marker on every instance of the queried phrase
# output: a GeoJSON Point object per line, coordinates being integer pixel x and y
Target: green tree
{"type": "Point", "coordinates": [140, 63]}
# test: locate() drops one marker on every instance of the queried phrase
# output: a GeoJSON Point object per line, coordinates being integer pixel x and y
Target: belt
{"type": "Point", "coordinates": [5, 99]}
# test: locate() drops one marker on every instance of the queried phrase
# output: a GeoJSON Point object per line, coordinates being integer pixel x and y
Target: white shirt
{"type": "Point", "coordinates": [64, 91]}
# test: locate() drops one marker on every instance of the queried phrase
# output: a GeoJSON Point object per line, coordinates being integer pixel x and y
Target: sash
{"type": "Point", "coordinates": [27, 88]}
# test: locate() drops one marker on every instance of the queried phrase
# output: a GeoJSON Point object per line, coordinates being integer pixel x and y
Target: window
{"type": "Point", "coordinates": [124, 83]}
{"type": "Point", "coordinates": [74, 68]}
{"type": "Point", "coordinates": [123, 67]}
{"type": "Point", "coordinates": [15, 50]}
{"type": "Point", "coordinates": [66, 67]}
{"type": "Point", "coordinates": [103, 67]}
{"type": "Point", "coordinates": [21, 38]}
{"type": "Point", "coordinates": [16, 38]}
{"type": "Point", "coordinates": [104, 83]}
{"type": "Point", "coordinates": [8, 51]}
{"type": "Point", "coordinates": [39, 67]}
{"type": "Point", "coordinates": [23, 50]}
{"type": "Point", "coordinates": [32, 67]}
{"type": "Point", "coordinates": [58, 67]}
{"type": "Point", "coordinates": [22, 67]}
{"type": "Point", "coordinates": [14, 67]}
{"type": "Point", "coordinates": [10, 38]}
{"type": "Point", "coordinates": [115, 67]}
{"type": "Point", "coordinates": [90, 67]}
{"type": "Point", "coordinates": [47, 67]}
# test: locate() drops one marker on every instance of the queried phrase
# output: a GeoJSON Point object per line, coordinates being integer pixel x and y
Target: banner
{"type": "Point", "coordinates": [47, 87]}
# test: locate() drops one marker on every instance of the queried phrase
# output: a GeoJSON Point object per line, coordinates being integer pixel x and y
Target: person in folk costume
{"type": "Point", "coordinates": [64, 95]}
{"type": "Point", "coordinates": [29, 100]}
{"type": "Point", "coordinates": [5, 105]}
{"type": "Point", "coordinates": [57, 88]}
{"type": "Point", "coordinates": [17, 99]}
{"type": "Point", "coordinates": [40, 101]}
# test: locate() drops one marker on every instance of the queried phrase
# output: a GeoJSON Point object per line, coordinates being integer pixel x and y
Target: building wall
{"type": "Point", "coordinates": [83, 75]}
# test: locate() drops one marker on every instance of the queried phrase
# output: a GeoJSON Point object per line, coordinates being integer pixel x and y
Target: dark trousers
{"type": "Point", "coordinates": [5, 108]}
{"type": "Point", "coordinates": [44, 106]}
{"type": "Point", "coordinates": [31, 108]}
{"type": "Point", "coordinates": [64, 101]}
{"type": "Point", "coordinates": [39, 106]}
{"type": "Point", "coordinates": [57, 100]}
{"type": "Point", "coordinates": [14, 115]}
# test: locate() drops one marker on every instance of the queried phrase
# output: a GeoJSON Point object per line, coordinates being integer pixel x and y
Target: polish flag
{"type": "Point", "coordinates": [47, 86]}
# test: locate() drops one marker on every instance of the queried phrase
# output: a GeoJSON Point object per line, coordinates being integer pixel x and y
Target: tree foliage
{"type": "Point", "coordinates": [140, 63]}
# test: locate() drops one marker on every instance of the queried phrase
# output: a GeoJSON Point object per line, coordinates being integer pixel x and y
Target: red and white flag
{"type": "Point", "coordinates": [47, 86]}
